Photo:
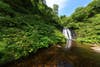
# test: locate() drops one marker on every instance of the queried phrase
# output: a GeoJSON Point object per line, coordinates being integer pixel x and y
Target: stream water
{"type": "Point", "coordinates": [59, 57]}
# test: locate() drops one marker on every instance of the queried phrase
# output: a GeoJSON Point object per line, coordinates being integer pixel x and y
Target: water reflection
{"type": "Point", "coordinates": [59, 57]}
{"type": "Point", "coordinates": [68, 43]}
{"type": "Point", "coordinates": [64, 64]}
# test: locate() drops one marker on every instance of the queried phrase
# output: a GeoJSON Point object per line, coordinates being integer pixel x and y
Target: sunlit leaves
{"type": "Point", "coordinates": [86, 22]}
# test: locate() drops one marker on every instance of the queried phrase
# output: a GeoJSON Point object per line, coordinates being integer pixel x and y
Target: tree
{"type": "Point", "coordinates": [44, 1]}
{"type": "Point", "coordinates": [55, 8]}
{"type": "Point", "coordinates": [80, 14]}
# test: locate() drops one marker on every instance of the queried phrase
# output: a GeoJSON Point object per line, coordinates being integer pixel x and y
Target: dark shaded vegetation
{"type": "Point", "coordinates": [26, 26]}
{"type": "Point", "coordinates": [86, 22]}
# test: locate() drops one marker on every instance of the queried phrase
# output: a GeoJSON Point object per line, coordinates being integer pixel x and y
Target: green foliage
{"type": "Point", "coordinates": [25, 27]}
{"type": "Point", "coordinates": [55, 8]}
{"type": "Point", "coordinates": [86, 22]}
{"type": "Point", "coordinates": [80, 14]}
{"type": "Point", "coordinates": [90, 31]}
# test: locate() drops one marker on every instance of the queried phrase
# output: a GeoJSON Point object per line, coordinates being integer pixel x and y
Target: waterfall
{"type": "Point", "coordinates": [68, 35]}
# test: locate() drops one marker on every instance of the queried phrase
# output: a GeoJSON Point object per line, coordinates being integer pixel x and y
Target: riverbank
{"type": "Point", "coordinates": [93, 47]}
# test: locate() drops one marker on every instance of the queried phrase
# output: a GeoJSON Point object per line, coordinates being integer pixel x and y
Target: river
{"type": "Point", "coordinates": [55, 56]}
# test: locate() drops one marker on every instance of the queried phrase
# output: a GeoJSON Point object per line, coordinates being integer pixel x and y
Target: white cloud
{"type": "Point", "coordinates": [61, 3]}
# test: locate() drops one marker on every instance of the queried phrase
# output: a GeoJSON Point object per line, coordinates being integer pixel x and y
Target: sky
{"type": "Point", "coordinates": [67, 7]}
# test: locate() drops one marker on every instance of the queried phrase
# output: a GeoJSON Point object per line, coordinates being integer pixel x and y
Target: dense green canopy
{"type": "Point", "coordinates": [86, 22]}
{"type": "Point", "coordinates": [26, 26]}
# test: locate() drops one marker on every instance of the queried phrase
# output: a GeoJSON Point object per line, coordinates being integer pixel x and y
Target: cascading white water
{"type": "Point", "coordinates": [68, 35]}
